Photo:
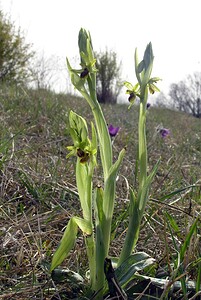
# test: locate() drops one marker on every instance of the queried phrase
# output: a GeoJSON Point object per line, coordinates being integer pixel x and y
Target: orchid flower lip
{"type": "Point", "coordinates": [113, 130]}
{"type": "Point", "coordinates": [84, 73]}
{"type": "Point", "coordinates": [131, 97]}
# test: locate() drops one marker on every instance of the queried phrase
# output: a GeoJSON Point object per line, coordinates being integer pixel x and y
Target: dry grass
{"type": "Point", "coordinates": [38, 193]}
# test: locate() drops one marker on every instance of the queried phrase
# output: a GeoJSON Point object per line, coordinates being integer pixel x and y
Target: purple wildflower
{"type": "Point", "coordinates": [164, 132]}
{"type": "Point", "coordinates": [113, 130]}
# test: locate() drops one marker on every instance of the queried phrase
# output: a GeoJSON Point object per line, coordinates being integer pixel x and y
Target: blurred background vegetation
{"type": "Point", "coordinates": [37, 184]}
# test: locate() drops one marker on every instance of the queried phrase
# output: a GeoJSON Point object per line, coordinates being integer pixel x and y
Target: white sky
{"type": "Point", "coordinates": [173, 27]}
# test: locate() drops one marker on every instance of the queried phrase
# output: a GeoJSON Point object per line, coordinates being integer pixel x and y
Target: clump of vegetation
{"type": "Point", "coordinates": [39, 194]}
{"type": "Point", "coordinates": [15, 54]}
{"type": "Point", "coordinates": [186, 94]}
{"type": "Point", "coordinates": [109, 83]}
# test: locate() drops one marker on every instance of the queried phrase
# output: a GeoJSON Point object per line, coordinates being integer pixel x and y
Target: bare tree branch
{"type": "Point", "coordinates": [187, 94]}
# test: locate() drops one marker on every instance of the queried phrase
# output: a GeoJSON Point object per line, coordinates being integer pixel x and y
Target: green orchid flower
{"type": "Point", "coordinates": [133, 91]}
{"type": "Point", "coordinates": [86, 54]}
{"type": "Point", "coordinates": [88, 70]}
{"type": "Point", "coordinates": [83, 147]}
{"type": "Point", "coordinates": [151, 85]}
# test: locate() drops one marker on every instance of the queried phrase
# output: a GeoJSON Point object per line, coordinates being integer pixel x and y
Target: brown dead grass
{"type": "Point", "coordinates": [38, 193]}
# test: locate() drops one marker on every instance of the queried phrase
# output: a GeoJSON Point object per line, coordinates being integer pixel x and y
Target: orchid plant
{"type": "Point", "coordinates": [97, 202]}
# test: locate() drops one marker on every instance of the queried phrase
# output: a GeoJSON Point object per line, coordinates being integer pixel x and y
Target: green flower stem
{"type": "Point", "coordinates": [100, 245]}
{"type": "Point", "coordinates": [142, 140]}
{"type": "Point", "coordinates": [102, 130]}
{"type": "Point", "coordinates": [142, 146]}
{"type": "Point", "coordinates": [137, 205]}
{"type": "Point", "coordinates": [101, 127]}
{"type": "Point", "coordinates": [84, 175]}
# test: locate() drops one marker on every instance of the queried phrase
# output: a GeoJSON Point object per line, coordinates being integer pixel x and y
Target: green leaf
{"type": "Point", "coordinates": [141, 66]}
{"type": "Point", "coordinates": [162, 283]}
{"type": "Point", "coordinates": [134, 263]}
{"type": "Point", "coordinates": [187, 239]}
{"type": "Point", "coordinates": [108, 200]}
{"type": "Point", "coordinates": [148, 56]}
{"type": "Point", "coordinates": [136, 67]}
{"type": "Point", "coordinates": [173, 223]}
{"type": "Point", "coordinates": [148, 63]}
{"type": "Point", "coordinates": [178, 191]}
{"type": "Point", "coordinates": [86, 49]}
{"type": "Point", "coordinates": [68, 239]}
{"type": "Point", "coordinates": [198, 282]}
{"type": "Point", "coordinates": [99, 205]}
{"type": "Point", "coordinates": [59, 275]}
{"type": "Point", "coordinates": [78, 82]}
{"type": "Point", "coordinates": [79, 125]}
{"type": "Point", "coordinates": [84, 225]}
{"type": "Point", "coordinates": [67, 243]}
{"type": "Point", "coordinates": [100, 245]}
{"type": "Point", "coordinates": [84, 185]}
{"type": "Point", "coordinates": [110, 184]}
{"type": "Point", "coordinates": [94, 141]}
{"type": "Point", "coordinates": [132, 231]}
{"type": "Point", "coordinates": [82, 40]}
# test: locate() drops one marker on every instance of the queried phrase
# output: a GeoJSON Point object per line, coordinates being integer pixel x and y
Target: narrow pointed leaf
{"type": "Point", "coordinates": [79, 125]}
{"type": "Point", "coordinates": [99, 205]}
{"type": "Point", "coordinates": [66, 244]}
{"type": "Point", "coordinates": [178, 191]}
{"type": "Point", "coordinates": [84, 225]}
{"type": "Point", "coordinates": [148, 56]}
{"type": "Point", "coordinates": [84, 186]}
{"type": "Point", "coordinates": [133, 229]}
{"type": "Point", "coordinates": [187, 239]}
{"type": "Point", "coordinates": [94, 141]}
{"type": "Point", "coordinates": [68, 239]}
{"type": "Point", "coordinates": [109, 191]}
{"type": "Point", "coordinates": [141, 66]}
{"type": "Point", "coordinates": [136, 67]}
{"type": "Point", "coordinates": [162, 283]}
{"type": "Point", "coordinates": [76, 80]}
{"type": "Point", "coordinates": [143, 196]}
{"type": "Point", "coordinates": [134, 263]}
{"type": "Point", "coordinates": [173, 222]}
{"type": "Point", "coordinates": [100, 245]}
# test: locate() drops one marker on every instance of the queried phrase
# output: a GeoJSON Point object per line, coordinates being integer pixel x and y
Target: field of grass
{"type": "Point", "coordinates": [38, 193]}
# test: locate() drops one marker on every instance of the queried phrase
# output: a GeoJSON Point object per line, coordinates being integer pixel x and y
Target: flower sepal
{"type": "Point", "coordinates": [133, 91]}
{"type": "Point", "coordinates": [84, 148]}
{"type": "Point", "coordinates": [152, 86]}
{"type": "Point", "coordinates": [76, 79]}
